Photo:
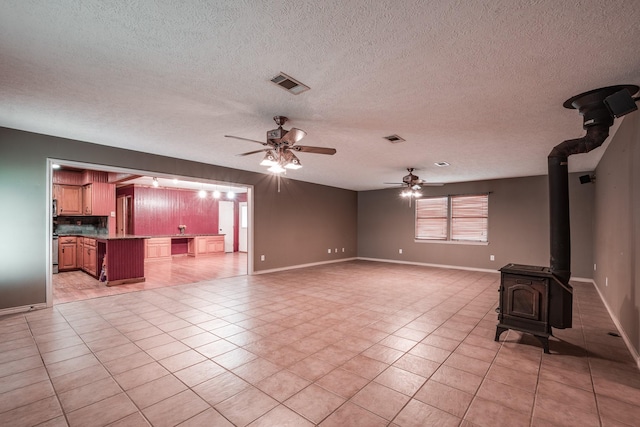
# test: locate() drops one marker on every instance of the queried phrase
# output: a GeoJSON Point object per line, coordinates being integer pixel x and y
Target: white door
{"type": "Point", "coordinates": [225, 223]}
{"type": "Point", "coordinates": [244, 224]}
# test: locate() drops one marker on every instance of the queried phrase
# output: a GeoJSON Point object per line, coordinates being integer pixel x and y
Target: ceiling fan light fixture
{"type": "Point", "coordinates": [291, 161]}
{"type": "Point", "coordinates": [155, 182]}
{"type": "Point", "coordinates": [269, 159]}
{"type": "Point", "coordinates": [276, 169]}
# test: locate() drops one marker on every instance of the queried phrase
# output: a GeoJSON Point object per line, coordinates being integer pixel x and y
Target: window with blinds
{"type": "Point", "coordinates": [432, 218]}
{"type": "Point", "coordinates": [453, 218]}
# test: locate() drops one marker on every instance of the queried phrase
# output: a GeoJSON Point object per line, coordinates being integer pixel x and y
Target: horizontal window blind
{"type": "Point", "coordinates": [469, 217]}
{"type": "Point", "coordinates": [456, 218]}
{"type": "Point", "coordinates": [432, 218]}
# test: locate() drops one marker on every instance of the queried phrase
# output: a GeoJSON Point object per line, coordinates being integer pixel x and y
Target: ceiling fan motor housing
{"type": "Point", "coordinates": [276, 133]}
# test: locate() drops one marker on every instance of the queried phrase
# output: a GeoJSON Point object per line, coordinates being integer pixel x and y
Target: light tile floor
{"type": "Point", "coordinates": [350, 344]}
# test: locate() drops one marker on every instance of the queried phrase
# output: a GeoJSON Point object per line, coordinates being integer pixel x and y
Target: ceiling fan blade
{"type": "Point", "coordinates": [315, 150]}
{"type": "Point", "coordinates": [432, 184]}
{"type": "Point", "coordinates": [292, 136]}
{"type": "Point", "coordinates": [245, 139]}
{"type": "Point", "coordinates": [394, 183]}
{"type": "Point", "coordinates": [252, 152]}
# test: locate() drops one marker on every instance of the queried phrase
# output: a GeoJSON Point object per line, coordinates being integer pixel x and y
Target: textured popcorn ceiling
{"type": "Point", "coordinates": [478, 84]}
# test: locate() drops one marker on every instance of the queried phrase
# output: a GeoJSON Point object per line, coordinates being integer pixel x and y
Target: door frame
{"type": "Point", "coordinates": [116, 169]}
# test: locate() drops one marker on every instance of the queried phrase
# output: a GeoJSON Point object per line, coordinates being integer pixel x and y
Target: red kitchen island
{"type": "Point", "coordinates": [120, 259]}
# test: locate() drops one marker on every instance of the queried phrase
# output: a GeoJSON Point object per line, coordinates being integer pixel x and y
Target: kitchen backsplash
{"type": "Point", "coordinates": [81, 225]}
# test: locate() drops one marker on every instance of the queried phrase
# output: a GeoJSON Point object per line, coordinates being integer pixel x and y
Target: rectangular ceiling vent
{"type": "Point", "coordinates": [394, 139]}
{"type": "Point", "coordinates": [289, 84]}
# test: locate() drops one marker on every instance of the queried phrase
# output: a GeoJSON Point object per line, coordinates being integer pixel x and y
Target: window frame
{"type": "Point", "coordinates": [450, 220]}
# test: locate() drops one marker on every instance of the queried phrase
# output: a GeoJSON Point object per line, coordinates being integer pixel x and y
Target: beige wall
{"type": "Point", "coordinates": [617, 227]}
{"type": "Point", "coordinates": [293, 227]}
{"type": "Point", "coordinates": [518, 226]}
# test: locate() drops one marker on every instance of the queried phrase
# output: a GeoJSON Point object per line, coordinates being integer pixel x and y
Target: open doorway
{"type": "Point", "coordinates": [141, 204]}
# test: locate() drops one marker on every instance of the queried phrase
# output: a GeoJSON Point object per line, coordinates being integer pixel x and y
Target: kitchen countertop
{"type": "Point", "coordinates": [136, 236]}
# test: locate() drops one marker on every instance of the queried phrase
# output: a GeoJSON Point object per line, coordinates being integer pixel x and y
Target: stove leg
{"type": "Point", "coordinates": [499, 331]}
{"type": "Point", "coordinates": [545, 343]}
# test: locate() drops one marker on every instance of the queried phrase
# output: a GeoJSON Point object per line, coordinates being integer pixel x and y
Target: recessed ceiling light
{"type": "Point", "coordinates": [394, 139]}
{"type": "Point", "coordinates": [441, 164]}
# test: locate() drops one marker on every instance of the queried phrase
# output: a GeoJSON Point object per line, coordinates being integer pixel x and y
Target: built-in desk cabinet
{"type": "Point", "coordinates": [157, 248]}
{"type": "Point", "coordinates": [203, 245]}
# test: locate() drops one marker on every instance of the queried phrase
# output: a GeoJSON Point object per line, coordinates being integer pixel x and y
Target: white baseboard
{"type": "Point", "coordinates": [22, 309]}
{"type": "Point", "coordinates": [424, 264]}
{"type": "Point", "coordinates": [295, 267]}
{"type": "Point", "coordinates": [625, 337]}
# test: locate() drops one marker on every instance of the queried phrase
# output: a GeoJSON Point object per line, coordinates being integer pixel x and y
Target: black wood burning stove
{"type": "Point", "coordinates": [535, 299]}
{"type": "Point", "coordinates": [524, 301]}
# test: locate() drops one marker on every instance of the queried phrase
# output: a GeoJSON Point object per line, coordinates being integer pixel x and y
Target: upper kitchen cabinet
{"type": "Point", "coordinates": [84, 193]}
{"type": "Point", "coordinates": [69, 199]}
{"type": "Point", "coordinates": [99, 198]}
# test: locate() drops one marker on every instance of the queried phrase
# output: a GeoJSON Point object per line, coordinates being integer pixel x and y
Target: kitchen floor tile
{"type": "Point", "coordinates": [418, 414]}
{"type": "Point", "coordinates": [314, 403]}
{"type": "Point", "coordinates": [282, 385]}
{"type": "Point", "coordinates": [141, 375]}
{"type": "Point", "coordinates": [175, 409]}
{"type": "Point", "coordinates": [400, 380]}
{"type": "Point", "coordinates": [246, 406]}
{"type": "Point", "coordinates": [154, 391]}
{"type": "Point", "coordinates": [380, 400]}
{"type": "Point", "coordinates": [444, 397]}
{"type": "Point", "coordinates": [353, 415]}
{"type": "Point", "coordinates": [220, 388]}
{"type": "Point", "coordinates": [103, 412]}
{"type": "Point", "coordinates": [200, 372]}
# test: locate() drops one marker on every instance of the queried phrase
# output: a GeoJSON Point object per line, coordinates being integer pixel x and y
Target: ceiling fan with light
{"type": "Point", "coordinates": [413, 184]}
{"type": "Point", "coordinates": [280, 147]}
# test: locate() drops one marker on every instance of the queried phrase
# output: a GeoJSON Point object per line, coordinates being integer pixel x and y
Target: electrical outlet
{"type": "Point", "coordinates": [606, 281]}
{"type": "Point", "coordinates": [399, 251]}
{"type": "Point", "coordinates": [329, 250]}
{"type": "Point", "coordinates": [261, 257]}
{"type": "Point", "coordinates": [492, 258]}
{"type": "Point", "coordinates": [594, 266]}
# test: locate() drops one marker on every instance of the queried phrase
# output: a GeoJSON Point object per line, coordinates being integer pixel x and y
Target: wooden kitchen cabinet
{"type": "Point", "coordinates": [69, 199]}
{"type": "Point", "coordinates": [67, 253]}
{"type": "Point", "coordinates": [80, 253]}
{"type": "Point", "coordinates": [158, 248]}
{"type": "Point", "coordinates": [203, 245]}
{"type": "Point", "coordinates": [89, 256]}
{"type": "Point", "coordinates": [98, 198]}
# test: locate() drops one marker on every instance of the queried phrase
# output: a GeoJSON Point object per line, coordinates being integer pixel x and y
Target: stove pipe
{"type": "Point", "coordinates": [597, 119]}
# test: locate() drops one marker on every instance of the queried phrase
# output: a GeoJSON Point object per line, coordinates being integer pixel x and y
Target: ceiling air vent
{"type": "Point", "coordinates": [394, 139]}
{"type": "Point", "coordinates": [289, 84]}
